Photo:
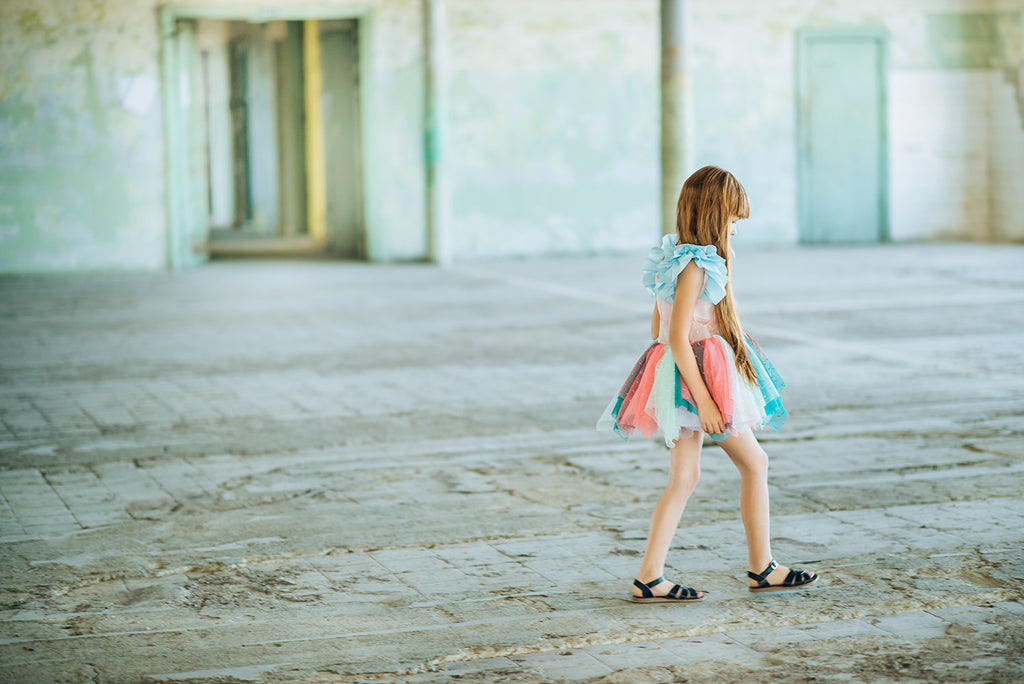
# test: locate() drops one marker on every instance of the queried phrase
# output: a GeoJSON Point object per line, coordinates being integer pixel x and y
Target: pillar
{"type": "Point", "coordinates": [316, 179]}
{"type": "Point", "coordinates": [292, 145]}
{"type": "Point", "coordinates": [676, 109]}
{"type": "Point", "coordinates": [438, 200]}
{"type": "Point", "coordinates": [261, 126]}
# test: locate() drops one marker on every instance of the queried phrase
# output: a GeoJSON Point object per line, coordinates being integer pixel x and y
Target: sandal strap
{"type": "Point", "coordinates": [762, 578]}
{"type": "Point", "coordinates": [680, 592]}
{"type": "Point", "coordinates": [645, 589]}
{"type": "Point", "coordinates": [797, 577]}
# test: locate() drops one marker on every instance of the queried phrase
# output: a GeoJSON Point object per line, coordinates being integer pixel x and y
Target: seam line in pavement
{"type": "Point", "coordinates": [987, 597]}
{"type": "Point", "coordinates": [824, 342]}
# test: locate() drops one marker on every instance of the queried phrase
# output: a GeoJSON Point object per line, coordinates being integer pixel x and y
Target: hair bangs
{"type": "Point", "coordinates": [737, 200]}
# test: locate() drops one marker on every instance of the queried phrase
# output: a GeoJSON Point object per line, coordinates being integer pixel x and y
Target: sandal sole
{"type": "Point", "coordinates": [779, 587]}
{"type": "Point", "coordinates": [662, 599]}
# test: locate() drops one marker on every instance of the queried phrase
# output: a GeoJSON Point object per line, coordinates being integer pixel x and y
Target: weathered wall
{"type": "Point", "coordinates": [552, 130]}
{"type": "Point", "coordinates": [955, 128]}
{"type": "Point", "coordinates": [958, 122]}
{"type": "Point", "coordinates": [82, 171]}
{"type": "Point", "coordinates": [552, 137]}
{"type": "Point", "coordinates": [81, 167]}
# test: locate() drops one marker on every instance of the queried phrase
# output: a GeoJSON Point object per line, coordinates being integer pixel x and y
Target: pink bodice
{"type": "Point", "coordinates": [703, 325]}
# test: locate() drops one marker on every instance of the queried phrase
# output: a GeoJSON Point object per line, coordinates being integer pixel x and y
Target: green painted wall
{"type": "Point", "coordinates": [552, 137]}
{"type": "Point", "coordinates": [81, 168]}
{"type": "Point", "coordinates": [974, 40]}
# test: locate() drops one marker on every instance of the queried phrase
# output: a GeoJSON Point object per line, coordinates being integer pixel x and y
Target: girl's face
{"type": "Point", "coordinates": [732, 225]}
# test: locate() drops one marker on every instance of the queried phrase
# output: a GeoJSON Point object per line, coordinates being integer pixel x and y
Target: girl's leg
{"type": "Point", "coordinates": [683, 473]}
{"type": "Point", "coordinates": [752, 462]}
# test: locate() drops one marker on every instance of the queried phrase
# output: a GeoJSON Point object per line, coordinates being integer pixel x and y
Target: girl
{"type": "Point", "coordinates": [702, 375]}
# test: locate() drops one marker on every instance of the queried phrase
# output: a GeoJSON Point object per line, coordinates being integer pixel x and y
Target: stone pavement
{"type": "Point", "coordinates": [336, 472]}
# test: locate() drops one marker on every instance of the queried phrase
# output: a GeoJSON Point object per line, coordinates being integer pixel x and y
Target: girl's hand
{"type": "Point", "coordinates": [711, 420]}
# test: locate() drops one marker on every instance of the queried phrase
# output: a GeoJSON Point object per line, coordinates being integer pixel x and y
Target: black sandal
{"type": "Point", "coordinates": [795, 578]}
{"type": "Point", "coordinates": [676, 594]}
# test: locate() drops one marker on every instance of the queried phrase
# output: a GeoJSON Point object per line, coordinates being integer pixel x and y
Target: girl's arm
{"type": "Point", "coordinates": [655, 323]}
{"type": "Point", "coordinates": [688, 287]}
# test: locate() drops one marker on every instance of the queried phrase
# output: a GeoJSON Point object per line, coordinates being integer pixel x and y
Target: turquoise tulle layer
{"type": "Point", "coordinates": [655, 399]}
{"type": "Point", "coordinates": [666, 261]}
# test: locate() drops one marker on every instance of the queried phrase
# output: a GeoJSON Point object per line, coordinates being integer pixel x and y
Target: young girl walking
{"type": "Point", "coordinates": [702, 375]}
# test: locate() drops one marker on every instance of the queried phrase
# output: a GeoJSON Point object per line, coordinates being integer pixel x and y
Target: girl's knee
{"type": "Point", "coordinates": [759, 462]}
{"type": "Point", "coordinates": [753, 462]}
{"type": "Point", "coordinates": [683, 483]}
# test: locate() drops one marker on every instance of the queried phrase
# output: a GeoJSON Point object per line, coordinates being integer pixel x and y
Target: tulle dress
{"type": "Point", "coordinates": [655, 399]}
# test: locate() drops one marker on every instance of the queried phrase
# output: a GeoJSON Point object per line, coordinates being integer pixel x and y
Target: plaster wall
{"type": "Point", "coordinates": [552, 131]}
{"type": "Point", "coordinates": [945, 109]}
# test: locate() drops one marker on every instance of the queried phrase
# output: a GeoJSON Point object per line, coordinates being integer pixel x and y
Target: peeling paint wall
{"type": "Point", "coordinates": [956, 133]}
{"type": "Point", "coordinates": [552, 139]}
{"type": "Point", "coordinates": [81, 167]}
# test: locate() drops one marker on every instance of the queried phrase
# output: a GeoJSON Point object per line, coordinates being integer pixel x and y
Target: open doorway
{"type": "Point", "coordinates": [264, 135]}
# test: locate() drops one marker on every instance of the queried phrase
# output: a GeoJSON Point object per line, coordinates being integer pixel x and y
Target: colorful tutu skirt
{"type": "Point", "coordinates": [655, 399]}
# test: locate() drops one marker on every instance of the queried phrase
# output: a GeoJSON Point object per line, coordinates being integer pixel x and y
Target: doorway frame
{"type": "Point", "coordinates": [804, 37]}
{"type": "Point", "coordinates": [179, 202]}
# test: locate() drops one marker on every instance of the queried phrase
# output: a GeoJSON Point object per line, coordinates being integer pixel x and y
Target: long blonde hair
{"type": "Point", "coordinates": [709, 198]}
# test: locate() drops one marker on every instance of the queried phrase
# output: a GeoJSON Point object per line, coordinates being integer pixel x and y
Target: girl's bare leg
{"type": "Point", "coordinates": [683, 473]}
{"type": "Point", "coordinates": [752, 462]}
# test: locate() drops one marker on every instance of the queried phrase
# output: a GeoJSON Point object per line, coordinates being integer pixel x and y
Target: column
{"type": "Point", "coordinates": [438, 200]}
{"type": "Point", "coordinates": [676, 110]}
{"type": "Point", "coordinates": [316, 182]}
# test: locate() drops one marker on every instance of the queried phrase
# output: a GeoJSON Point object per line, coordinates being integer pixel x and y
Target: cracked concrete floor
{"type": "Point", "coordinates": [286, 472]}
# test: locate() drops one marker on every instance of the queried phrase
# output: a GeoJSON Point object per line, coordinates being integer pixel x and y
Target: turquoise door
{"type": "Point", "coordinates": [842, 148]}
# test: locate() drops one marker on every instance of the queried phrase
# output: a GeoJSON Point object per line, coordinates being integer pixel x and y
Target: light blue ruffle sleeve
{"type": "Point", "coordinates": [666, 261]}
